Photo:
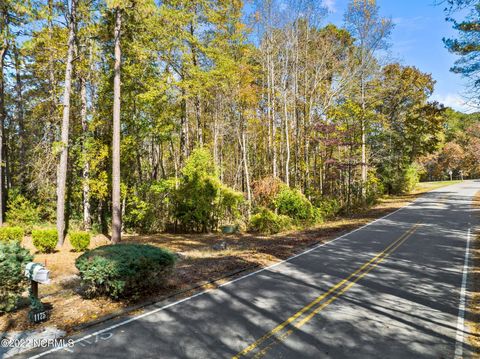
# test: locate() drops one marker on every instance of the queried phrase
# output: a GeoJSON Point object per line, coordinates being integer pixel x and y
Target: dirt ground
{"type": "Point", "coordinates": [473, 312]}
{"type": "Point", "coordinates": [199, 264]}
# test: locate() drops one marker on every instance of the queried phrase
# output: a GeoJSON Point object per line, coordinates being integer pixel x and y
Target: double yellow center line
{"type": "Point", "coordinates": [284, 329]}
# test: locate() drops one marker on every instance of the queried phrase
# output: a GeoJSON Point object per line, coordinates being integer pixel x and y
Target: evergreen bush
{"type": "Point", "coordinates": [123, 270]}
{"type": "Point", "coordinates": [201, 200]}
{"type": "Point", "coordinates": [292, 203]}
{"type": "Point", "coordinates": [13, 259]}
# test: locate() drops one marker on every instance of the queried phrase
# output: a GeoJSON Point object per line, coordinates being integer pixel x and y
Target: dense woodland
{"type": "Point", "coordinates": [184, 114]}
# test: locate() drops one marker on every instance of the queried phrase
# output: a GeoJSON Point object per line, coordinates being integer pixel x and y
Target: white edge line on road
{"type": "Point", "coordinates": [146, 314]}
{"type": "Point", "coordinates": [459, 338]}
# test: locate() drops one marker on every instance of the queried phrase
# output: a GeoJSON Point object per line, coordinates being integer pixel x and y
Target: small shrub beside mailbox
{"type": "Point", "coordinates": [123, 270]}
{"type": "Point", "coordinates": [13, 260]}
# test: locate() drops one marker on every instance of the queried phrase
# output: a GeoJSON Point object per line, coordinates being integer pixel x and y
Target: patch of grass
{"type": "Point", "coordinates": [423, 187]}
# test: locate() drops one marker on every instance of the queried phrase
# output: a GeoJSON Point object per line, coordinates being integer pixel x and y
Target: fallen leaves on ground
{"type": "Point", "coordinates": [200, 264]}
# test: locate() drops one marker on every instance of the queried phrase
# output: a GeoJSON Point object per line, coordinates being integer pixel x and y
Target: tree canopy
{"type": "Point", "coordinates": [169, 113]}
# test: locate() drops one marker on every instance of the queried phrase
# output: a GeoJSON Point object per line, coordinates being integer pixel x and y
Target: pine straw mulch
{"type": "Point", "coordinates": [199, 266]}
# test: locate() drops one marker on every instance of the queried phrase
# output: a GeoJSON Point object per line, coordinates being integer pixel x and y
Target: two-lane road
{"type": "Point", "coordinates": [391, 289]}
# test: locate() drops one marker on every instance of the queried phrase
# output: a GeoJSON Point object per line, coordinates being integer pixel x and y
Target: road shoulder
{"type": "Point", "coordinates": [473, 311]}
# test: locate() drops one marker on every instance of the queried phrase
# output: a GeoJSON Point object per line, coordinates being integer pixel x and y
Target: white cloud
{"type": "Point", "coordinates": [455, 101]}
{"type": "Point", "coordinates": [330, 5]}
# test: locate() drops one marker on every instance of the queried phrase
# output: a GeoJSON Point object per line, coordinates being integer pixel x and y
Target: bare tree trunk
{"type": "Point", "coordinates": [286, 120]}
{"type": "Point", "coordinates": [20, 118]}
{"type": "Point", "coordinates": [161, 162]}
{"type": "Point", "coordinates": [87, 220]}
{"type": "Point", "coordinates": [363, 132]}
{"type": "Point", "coordinates": [63, 165]}
{"type": "Point", "coordinates": [215, 132]}
{"type": "Point", "coordinates": [306, 117]}
{"type": "Point", "coordinates": [52, 79]}
{"type": "Point", "coordinates": [245, 161]}
{"type": "Point", "coordinates": [274, 129]}
{"type": "Point", "coordinates": [184, 141]}
{"type": "Point", "coordinates": [266, 83]}
{"type": "Point", "coordinates": [3, 115]}
{"type": "Point", "coordinates": [364, 159]}
{"type": "Point", "coordinates": [198, 117]}
{"type": "Point", "coordinates": [116, 197]}
{"type": "Point", "coordinates": [295, 119]}
{"type": "Point", "coordinates": [176, 161]}
{"type": "Point", "coordinates": [287, 139]}
{"type": "Point", "coordinates": [196, 101]}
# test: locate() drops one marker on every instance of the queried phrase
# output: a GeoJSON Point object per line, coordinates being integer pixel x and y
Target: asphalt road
{"type": "Point", "coordinates": [389, 290]}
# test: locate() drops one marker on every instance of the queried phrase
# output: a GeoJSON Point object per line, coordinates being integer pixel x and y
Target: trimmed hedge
{"type": "Point", "coordinates": [45, 240]}
{"type": "Point", "coordinates": [123, 270]}
{"type": "Point", "coordinates": [79, 240]}
{"type": "Point", "coordinates": [9, 234]}
{"type": "Point", "coordinates": [268, 222]}
{"type": "Point", "coordinates": [13, 259]}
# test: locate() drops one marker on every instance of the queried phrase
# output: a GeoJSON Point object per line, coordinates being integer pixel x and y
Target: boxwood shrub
{"type": "Point", "coordinates": [79, 240]}
{"type": "Point", "coordinates": [123, 270]}
{"type": "Point", "coordinates": [45, 240]}
{"type": "Point", "coordinates": [9, 234]}
{"type": "Point", "coordinates": [13, 259]}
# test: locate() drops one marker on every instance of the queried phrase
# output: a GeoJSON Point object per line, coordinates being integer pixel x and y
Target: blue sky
{"type": "Point", "coordinates": [417, 40]}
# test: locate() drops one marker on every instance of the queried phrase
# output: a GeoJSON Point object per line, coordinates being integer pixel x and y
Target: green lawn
{"type": "Point", "coordinates": [429, 186]}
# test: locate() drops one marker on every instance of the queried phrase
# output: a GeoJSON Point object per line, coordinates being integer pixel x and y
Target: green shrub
{"type": "Point", "coordinates": [139, 215]}
{"type": "Point", "coordinates": [268, 222]}
{"type": "Point", "coordinates": [201, 200]}
{"type": "Point", "coordinates": [292, 203]}
{"type": "Point", "coordinates": [196, 202]}
{"type": "Point", "coordinates": [123, 270]}
{"type": "Point", "coordinates": [45, 240]}
{"type": "Point", "coordinates": [79, 240]}
{"type": "Point", "coordinates": [411, 177]}
{"type": "Point", "coordinates": [13, 259]}
{"type": "Point", "coordinates": [375, 188]}
{"type": "Point", "coordinates": [21, 212]}
{"type": "Point", "coordinates": [8, 234]}
{"type": "Point", "coordinates": [398, 181]}
{"type": "Point", "coordinates": [329, 207]}
{"type": "Point", "coordinates": [149, 206]}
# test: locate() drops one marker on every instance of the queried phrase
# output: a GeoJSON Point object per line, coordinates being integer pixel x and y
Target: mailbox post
{"type": "Point", "coordinates": [37, 273]}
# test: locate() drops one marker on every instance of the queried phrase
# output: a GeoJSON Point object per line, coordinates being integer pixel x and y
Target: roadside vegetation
{"type": "Point", "coordinates": [473, 309]}
{"type": "Point", "coordinates": [77, 298]}
{"type": "Point", "coordinates": [148, 147]}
